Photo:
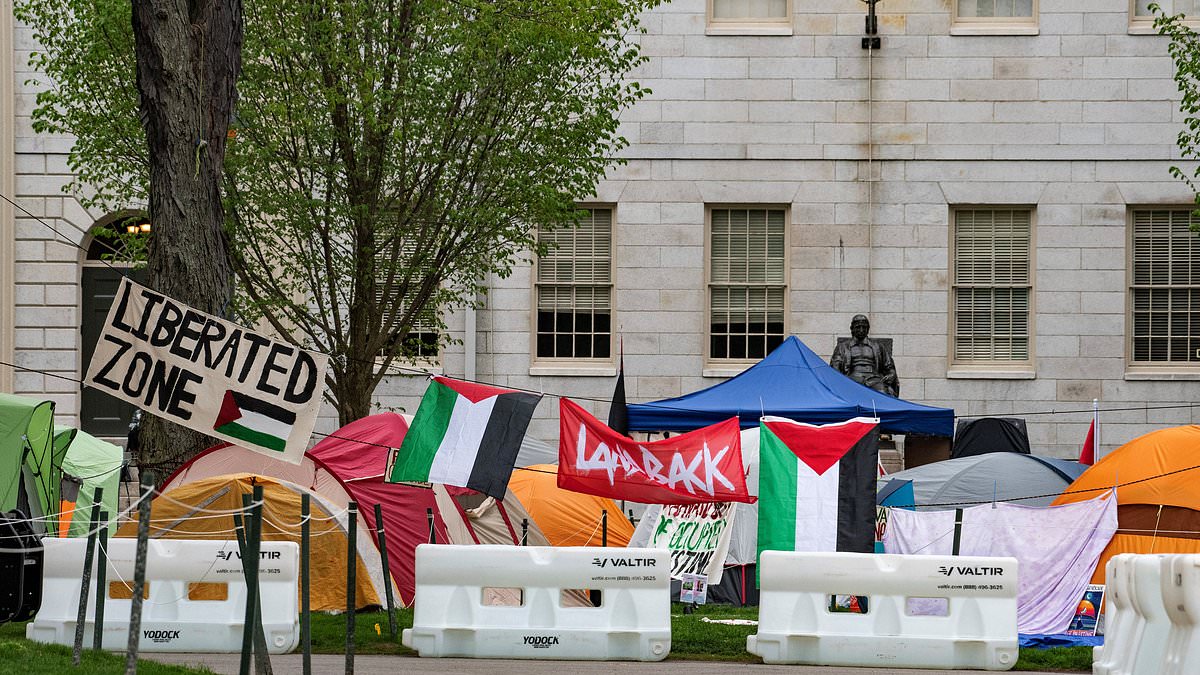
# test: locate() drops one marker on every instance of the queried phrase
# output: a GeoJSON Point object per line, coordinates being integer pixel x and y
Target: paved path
{"type": "Point", "coordinates": [328, 664]}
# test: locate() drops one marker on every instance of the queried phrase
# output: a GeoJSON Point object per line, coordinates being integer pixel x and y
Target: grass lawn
{"type": "Point", "coordinates": [18, 655]}
{"type": "Point", "coordinates": [691, 639]}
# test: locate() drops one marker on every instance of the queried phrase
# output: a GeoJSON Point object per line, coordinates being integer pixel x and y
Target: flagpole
{"type": "Point", "coordinates": [1096, 436]}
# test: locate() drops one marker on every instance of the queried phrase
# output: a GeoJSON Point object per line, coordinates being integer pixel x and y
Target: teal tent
{"type": "Point", "coordinates": [28, 456]}
{"type": "Point", "coordinates": [93, 463]}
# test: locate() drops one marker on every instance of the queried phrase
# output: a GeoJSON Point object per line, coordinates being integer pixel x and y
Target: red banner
{"type": "Point", "coordinates": [704, 465]}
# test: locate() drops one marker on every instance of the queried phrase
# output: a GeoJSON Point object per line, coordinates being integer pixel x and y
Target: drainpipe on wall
{"type": "Point", "coordinates": [469, 344]}
{"type": "Point", "coordinates": [870, 42]}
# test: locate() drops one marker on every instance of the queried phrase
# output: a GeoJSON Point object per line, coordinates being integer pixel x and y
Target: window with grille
{"type": "Point", "coordinates": [996, 15]}
{"type": "Point", "coordinates": [574, 289]}
{"type": "Point", "coordinates": [747, 287]}
{"type": "Point", "coordinates": [749, 9]}
{"type": "Point", "coordinates": [749, 12]}
{"type": "Point", "coordinates": [992, 286]}
{"type": "Point", "coordinates": [423, 340]}
{"type": "Point", "coordinates": [1164, 292]}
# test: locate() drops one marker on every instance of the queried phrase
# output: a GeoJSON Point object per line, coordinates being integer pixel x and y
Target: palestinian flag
{"type": "Point", "coordinates": [816, 485]}
{"type": "Point", "coordinates": [465, 434]}
{"type": "Point", "coordinates": [254, 421]}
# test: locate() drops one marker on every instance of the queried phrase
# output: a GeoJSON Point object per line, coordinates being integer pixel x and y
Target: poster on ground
{"type": "Point", "coordinates": [693, 588]}
{"type": "Point", "coordinates": [1088, 611]}
{"type": "Point", "coordinates": [208, 374]}
{"type": "Point", "coordinates": [697, 536]}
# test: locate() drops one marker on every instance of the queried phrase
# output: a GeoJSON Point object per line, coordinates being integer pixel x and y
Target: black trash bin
{"type": "Point", "coordinates": [21, 556]}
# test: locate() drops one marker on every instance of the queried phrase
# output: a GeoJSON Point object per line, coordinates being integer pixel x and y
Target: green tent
{"type": "Point", "coordinates": [94, 463]}
{"type": "Point", "coordinates": [28, 454]}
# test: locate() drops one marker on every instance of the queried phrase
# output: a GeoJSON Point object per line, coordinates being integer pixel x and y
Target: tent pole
{"type": "Point", "coordinates": [958, 516]}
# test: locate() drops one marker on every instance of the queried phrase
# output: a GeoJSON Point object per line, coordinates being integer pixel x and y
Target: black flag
{"type": "Point", "coordinates": [618, 412]}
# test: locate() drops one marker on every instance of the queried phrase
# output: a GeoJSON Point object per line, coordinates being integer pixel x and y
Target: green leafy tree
{"type": "Point", "coordinates": [389, 156]}
{"type": "Point", "coordinates": [147, 88]}
{"type": "Point", "coordinates": [1184, 49]}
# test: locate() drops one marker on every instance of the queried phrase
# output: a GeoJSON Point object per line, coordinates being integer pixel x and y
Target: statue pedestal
{"type": "Point", "coordinates": [891, 453]}
{"type": "Point", "coordinates": [919, 450]}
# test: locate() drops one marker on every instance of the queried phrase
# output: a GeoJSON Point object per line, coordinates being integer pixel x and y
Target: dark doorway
{"type": "Point", "coordinates": [101, 414]}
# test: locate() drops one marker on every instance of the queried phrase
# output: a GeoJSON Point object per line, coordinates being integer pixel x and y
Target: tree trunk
{"type": "Point", "coordinates": [352, 391]}
{"type": "Point", "coordinates": [188, 58]}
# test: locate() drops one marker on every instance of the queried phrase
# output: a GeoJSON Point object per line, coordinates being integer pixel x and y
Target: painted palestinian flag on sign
{"type": "Point", "coordinates": [465, 434]}
{"type": "Point", "coordinates": [254, 421]}
{"type": "Point", "coordinates": [816, 485]}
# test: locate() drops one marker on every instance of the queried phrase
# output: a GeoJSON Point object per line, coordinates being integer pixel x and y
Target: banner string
{"type": "Point", "coordinates": [67, 240]}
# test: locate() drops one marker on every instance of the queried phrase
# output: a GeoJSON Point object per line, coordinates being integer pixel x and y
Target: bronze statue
{"type": "Point", "coordinates": [866, 361]}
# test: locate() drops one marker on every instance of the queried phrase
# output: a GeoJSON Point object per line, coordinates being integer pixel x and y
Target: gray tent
{"type": "Point", "coordinates": [999, 476]}
{"type": "Point", "coordinates": [534, 451]}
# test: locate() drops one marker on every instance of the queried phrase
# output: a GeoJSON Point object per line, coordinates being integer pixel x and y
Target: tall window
{"type": "Point", "coordinates": [747, 286]}
{"type": "Point", "coordinates": [574, 289]}
{"type": "Point", "coordinates": [992, 286]}
{"type": "Point", "coordinates": [996, 15]}
{"type": "Point", "coordinates": [422, 343]}
{"type": "Point", "coordinates": [749, 12]}
{"type": "Point", "coordinates": [1164, 291]}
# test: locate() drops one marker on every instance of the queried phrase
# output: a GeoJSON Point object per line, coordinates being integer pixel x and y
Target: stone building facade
{"type": "Point", "coordinates": [991, 187]}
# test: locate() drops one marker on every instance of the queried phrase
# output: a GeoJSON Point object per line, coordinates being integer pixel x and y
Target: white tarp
{"type": "Point", "coordinates": [1057, 548]}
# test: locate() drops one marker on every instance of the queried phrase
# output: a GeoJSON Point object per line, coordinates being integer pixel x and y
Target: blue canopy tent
{"type": "Point", "coordinates": [792, 382]}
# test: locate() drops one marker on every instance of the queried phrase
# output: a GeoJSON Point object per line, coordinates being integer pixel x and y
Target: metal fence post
{"type": "Point", "coordinates": [89, 556]}
{"type": "Point", "coordinates": [139, 573]}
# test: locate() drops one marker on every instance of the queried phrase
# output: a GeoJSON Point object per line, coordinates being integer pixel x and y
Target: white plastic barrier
{"type": "Point", "coordinates": [1151, 613]}
{"type": "Point", "coordinates": [1181, 596]}
{"type": "Point", "coordinates": [1119, 618]}
{"type": "Point", "coordinates": [1136, 644]}
{"type": "Point", "coordinates": [921, 611]}
{"type": "Point", "coordinates": [171, 621]}
{"type": "Point", "coordinates": [451, 617]}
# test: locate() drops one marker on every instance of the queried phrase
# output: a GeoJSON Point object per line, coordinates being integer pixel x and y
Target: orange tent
{"type": "Point", "coordinates": [567, 518]}
{"type": "Point", "coordinates": [187, 512]}
{"type": "Point", "coordinates": [1158, 501]}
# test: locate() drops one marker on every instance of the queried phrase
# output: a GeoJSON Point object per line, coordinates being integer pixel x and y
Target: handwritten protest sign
{"type": "Point", "coordinates": [697, 536]}
{"type": "Point", "coordinates": [704, 465]}
{"type": "Point", "coordinates": [208, 374]}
